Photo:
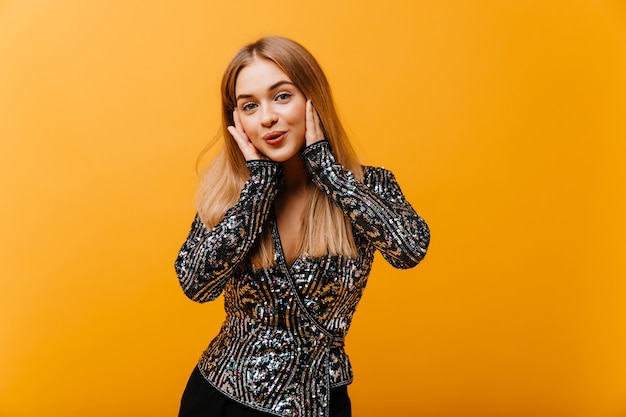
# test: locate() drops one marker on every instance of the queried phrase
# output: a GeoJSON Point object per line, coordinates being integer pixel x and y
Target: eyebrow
{"type": "Point", "coordinates": [272, 87]}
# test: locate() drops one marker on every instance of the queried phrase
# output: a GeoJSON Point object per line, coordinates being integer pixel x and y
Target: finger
{"type": "Point", "coordinates": [237, 131]}
{"type": "Point", "coordinates": [313, 126]}
{"type": "Point", "coordinates": [318, 123]}
{"type": "Point", "coordinates": [247, 148]}
{"type": "Point", "coordinates": [310, 118]}
{"type": "Point", "coordinates": [237, 121]}
{"type": "Point", "coordinates": [240, 140]}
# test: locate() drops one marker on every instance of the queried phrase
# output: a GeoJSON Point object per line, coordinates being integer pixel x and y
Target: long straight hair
{"type": "Point", "coordinates": [326, 230]}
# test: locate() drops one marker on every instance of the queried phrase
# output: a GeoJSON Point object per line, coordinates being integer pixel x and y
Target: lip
{"type": "Point", "coordinates": [274, 137]}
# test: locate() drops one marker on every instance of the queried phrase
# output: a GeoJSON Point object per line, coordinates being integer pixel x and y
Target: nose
{"type": "Point", "coordinates": [268, 116]}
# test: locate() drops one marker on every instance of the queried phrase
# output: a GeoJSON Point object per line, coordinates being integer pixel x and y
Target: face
{"type": "Point", "coordinates": [271, 110]}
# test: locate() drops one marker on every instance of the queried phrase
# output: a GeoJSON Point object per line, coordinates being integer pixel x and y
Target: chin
{"type": "Point", "coordinates": [279, 159]}
{"type": "Point", "coordinates": [282, 156]}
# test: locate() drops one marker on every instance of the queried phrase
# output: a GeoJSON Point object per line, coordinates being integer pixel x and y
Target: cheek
{"type": "Point", "coordinates": [298, 115]}
{"type": "Point", "coordinates": [248, 126]}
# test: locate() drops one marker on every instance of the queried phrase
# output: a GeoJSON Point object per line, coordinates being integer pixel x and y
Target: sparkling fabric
{"type": "Point", "coordinates": [280, 349]}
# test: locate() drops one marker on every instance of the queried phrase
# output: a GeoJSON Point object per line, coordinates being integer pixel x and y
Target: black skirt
{"type": "Point", "coordinates": [200, 399]}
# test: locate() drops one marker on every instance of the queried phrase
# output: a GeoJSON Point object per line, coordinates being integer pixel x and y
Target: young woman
{"type": "Point", "coordinates": [288, 222]}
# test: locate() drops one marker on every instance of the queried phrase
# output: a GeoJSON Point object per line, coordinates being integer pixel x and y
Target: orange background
{"type": "Point", "coordinates": [504, 122]}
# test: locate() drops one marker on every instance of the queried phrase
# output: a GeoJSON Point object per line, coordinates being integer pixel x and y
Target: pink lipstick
{"type": "Point", "coordinates": [273, 137]}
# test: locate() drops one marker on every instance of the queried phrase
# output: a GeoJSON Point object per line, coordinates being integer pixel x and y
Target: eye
{"type": "Point", "coordinates": [249, 106]}
{"type": "Point", "coordinates": [283, 96]}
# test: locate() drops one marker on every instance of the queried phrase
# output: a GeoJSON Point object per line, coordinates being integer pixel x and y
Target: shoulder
{"type": "Point", "coordinates": [381, 181]}
{"type": "Point", "coordinates": [377, 175]}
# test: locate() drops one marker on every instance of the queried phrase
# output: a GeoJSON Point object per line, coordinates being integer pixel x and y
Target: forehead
{"type": "Point", "coordinates": [258, 77]}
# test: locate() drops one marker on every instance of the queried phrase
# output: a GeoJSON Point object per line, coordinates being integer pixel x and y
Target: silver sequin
{"type": "Point", "coordinates": [280, 349]}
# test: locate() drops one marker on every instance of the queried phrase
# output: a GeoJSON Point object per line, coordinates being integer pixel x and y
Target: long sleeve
{"type": "Point", "coordinates": [376, 207]}
{"type": "Point", "coordinates": [208, 258]}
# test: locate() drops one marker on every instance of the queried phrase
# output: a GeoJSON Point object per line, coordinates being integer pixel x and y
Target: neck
{"type": "Point", "coordinates": [296, 176]}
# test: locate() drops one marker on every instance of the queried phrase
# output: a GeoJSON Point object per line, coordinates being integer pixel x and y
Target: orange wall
{"type": "Point", "coordinates": [503, 120]}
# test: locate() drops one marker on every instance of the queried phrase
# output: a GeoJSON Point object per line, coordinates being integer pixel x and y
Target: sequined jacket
{"type": "Point", "coordinates": [280, 348]}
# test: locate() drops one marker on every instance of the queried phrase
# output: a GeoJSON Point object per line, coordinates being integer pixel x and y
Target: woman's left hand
{"type": "Point", "coordinates": [313, 131]}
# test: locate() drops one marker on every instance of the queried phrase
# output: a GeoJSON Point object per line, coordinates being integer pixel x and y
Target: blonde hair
{"type": "Point", "coordinates": [326, 229]}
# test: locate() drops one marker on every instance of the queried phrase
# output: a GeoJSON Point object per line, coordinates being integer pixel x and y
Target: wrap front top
{"type": "Point", "coordinates": [281, 347]}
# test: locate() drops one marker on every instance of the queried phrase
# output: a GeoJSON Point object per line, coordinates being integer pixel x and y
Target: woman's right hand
{"type": "Point", "coordinates": [249, 151]}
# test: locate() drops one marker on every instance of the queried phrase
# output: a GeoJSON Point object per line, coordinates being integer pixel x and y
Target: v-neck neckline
{"type": "Point", "coordinates": [282, 263]}
{"type": "Point", "coordinates": [278, 246]}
